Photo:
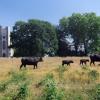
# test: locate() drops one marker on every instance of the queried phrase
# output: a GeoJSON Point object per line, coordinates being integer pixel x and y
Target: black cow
{"type": "Point", "coordinates": [30, 61]}
{"type": "Point", "coordinates": [67, 62]}
{"type": "Point", "coordinates": [94, 58]}
{"type": "Point", "coordinates": [83, 61]}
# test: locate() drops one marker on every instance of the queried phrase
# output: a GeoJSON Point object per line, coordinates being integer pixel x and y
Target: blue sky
{"type": "Point", "coordinates": [48, 10]}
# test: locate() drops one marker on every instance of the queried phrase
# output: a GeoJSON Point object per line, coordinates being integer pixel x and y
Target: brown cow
{"type": "Point", "coordinates": [30, 61]}
{"type": "Point", "coordinates": [84, 61]}
{"type": "Point", "coordinates": [67, 62]}
{"type": "Point", "coordinates": [94, 58]}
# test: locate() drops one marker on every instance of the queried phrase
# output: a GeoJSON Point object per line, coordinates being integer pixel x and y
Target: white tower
{"type": "Point", "coordinates": [5, 51]}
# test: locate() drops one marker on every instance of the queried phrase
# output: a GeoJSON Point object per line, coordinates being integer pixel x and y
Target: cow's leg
{"type": "Point", "coordinates": [25, 66]}
{"type": "Point", "coordinates": [85, 63]}
{"type": "Point", "coordinates": [62, 64]}
{"type": "Point", "coordinates": [91, 63]}
{"type": "Point", "coordinates": [33, 66]}
{"type": "Point", "coordinates": [80, 62]}
{"type": "Point", "coordinates": [36, 65]}
{"type": "Point", "coordinates": [68, 64]}
{"type": "Point", "coordinates": [21, 66]}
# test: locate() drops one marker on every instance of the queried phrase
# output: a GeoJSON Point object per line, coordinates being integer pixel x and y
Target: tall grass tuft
{"type": "Point", "coordinates": [61, 71]}
{"type": "Point", "coordinates": [17, 77]}
{"type": "Point", "coordinates": [22, 93]}
{"type": "Point", "coordinates": [97, 92]}
{"type": "Point", "coordinates": [16, 87]}
{"type": "Point", "coordinates": [93, 75]}
{"type": "Point", "coordinates": [3, 86]}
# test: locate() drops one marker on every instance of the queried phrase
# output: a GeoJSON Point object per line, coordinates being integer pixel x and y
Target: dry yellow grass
{"type": "Point", "coordinates": [48, 65]}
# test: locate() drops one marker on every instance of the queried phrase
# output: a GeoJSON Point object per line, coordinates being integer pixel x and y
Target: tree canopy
{"type": "Point", "coordinates": [84, 29]}
{"type": "Point", "coordinates": [34, 38]}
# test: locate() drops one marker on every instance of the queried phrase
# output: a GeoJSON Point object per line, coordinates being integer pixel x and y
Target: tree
{"type": "Point", "coordinates": [62, 35]}
{"type": "Point", "coordinates": [62, 43]}
{"type": "Point", "coordinates": [74, 29]}
{"type": "Point", "coordinates": [91, 32]}
{"type": "Point", "coordinates": [33, 38]}
{"type": "Point", "coordinates": [84, 29]}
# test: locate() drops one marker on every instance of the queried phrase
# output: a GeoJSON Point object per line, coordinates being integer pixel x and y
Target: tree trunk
{"type": "Point", "coordinates": [76, 49]}
{"type": "Point", "coordinates": [85, 49]}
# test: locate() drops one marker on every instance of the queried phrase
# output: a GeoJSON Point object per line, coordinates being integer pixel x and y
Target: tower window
{"type": "Point", "coordinates": [4, 45]}
{"type": "Point", "coordinates": [4, 55]}
{"type": "Point", "coordinates": [4, 37]}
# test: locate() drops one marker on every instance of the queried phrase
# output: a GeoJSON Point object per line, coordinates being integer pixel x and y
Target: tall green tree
{"type": "Point", "coordinates": [74, 29]}
{"type": "Point", "coordinates": [62, 42]}
{"type": "Point", "coordinates": [91, 32]}
{"type": "Point", "coordinates": [33, 38]}
{"type": "Point", "coordinates": [84, 29]}
{"type": "Point", "coordinates": [62, 35]}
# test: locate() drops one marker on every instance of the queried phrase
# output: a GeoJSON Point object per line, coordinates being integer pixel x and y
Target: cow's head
{"type": "Point", "coordinates": [71, 61]}
{"type": "Point", "coordinates": [40, 59]}
{"type": "Point", "coordinates": [87, 60]}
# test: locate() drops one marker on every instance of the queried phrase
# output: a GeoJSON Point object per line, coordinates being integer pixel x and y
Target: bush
{"type": "Point", "coordinates": [98, 92]}
{"type": "Point", "coordinates": [22, 93]}
{"type": "Point", "coordinates": [17, 77]}
{"type": "Point", "coordinates": [51, 91]}
{"type": "Point", "coordinates": [44, 80]}
{"type": "Point", "coordinates": [3, 86]}
{"type": "Point", "coordinates": [93, 74]}
{"type": "Point", "coordinates": [16, 87]}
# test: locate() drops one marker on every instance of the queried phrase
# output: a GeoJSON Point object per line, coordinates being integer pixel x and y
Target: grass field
{"type": "Point", "coordinates": [76, 82]}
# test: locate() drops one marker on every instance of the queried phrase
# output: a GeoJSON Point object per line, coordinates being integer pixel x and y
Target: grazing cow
{"type": "Point", "coordinates": [94, 58]}
{"type": "Point", "coordinates": [67, 62]}
{"type": "Point", "coordinates": [30, 61]}
{"type": "Point", "coordinates": [83, 61]}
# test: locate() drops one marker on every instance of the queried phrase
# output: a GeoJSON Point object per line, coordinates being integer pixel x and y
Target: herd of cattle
{"type": "Point", "coordinates": [34, 61]}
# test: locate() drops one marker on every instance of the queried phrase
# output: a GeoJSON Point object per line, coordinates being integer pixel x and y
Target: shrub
{"type": "Point", "coordinates": [17, 77]}
{"type": "Point", "coordinates": [3, 86]}
{"type": "Point", "coordinates": [22, 93]}
{"type": "Point", "coordinates": [51, 91]}
{"type": "Point", "coordinates": [97, 92]}
{"type": "Point", "coordinates": [44, 80]}
{"type": "Point", "coordinates": [93, 74]}
{"type": "Point", "coordinates": [16, 87]}
{"type": "Point", "coordinates": [94, 92]}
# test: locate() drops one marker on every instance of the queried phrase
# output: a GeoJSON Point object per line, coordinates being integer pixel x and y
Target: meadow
{"type": "Point", "coordinates": [51, 81]}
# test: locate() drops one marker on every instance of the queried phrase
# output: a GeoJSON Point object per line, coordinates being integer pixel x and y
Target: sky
{"type": "Point", "coordinates": [47, 10]}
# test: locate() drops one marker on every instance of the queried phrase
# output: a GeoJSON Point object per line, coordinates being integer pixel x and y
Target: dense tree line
{"type": "Point", "coordinates": [37, 38]}
{"type": "Point", "coordinates": [83, 29]}
{"type": "Point", "coordinates": [34, 38]}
